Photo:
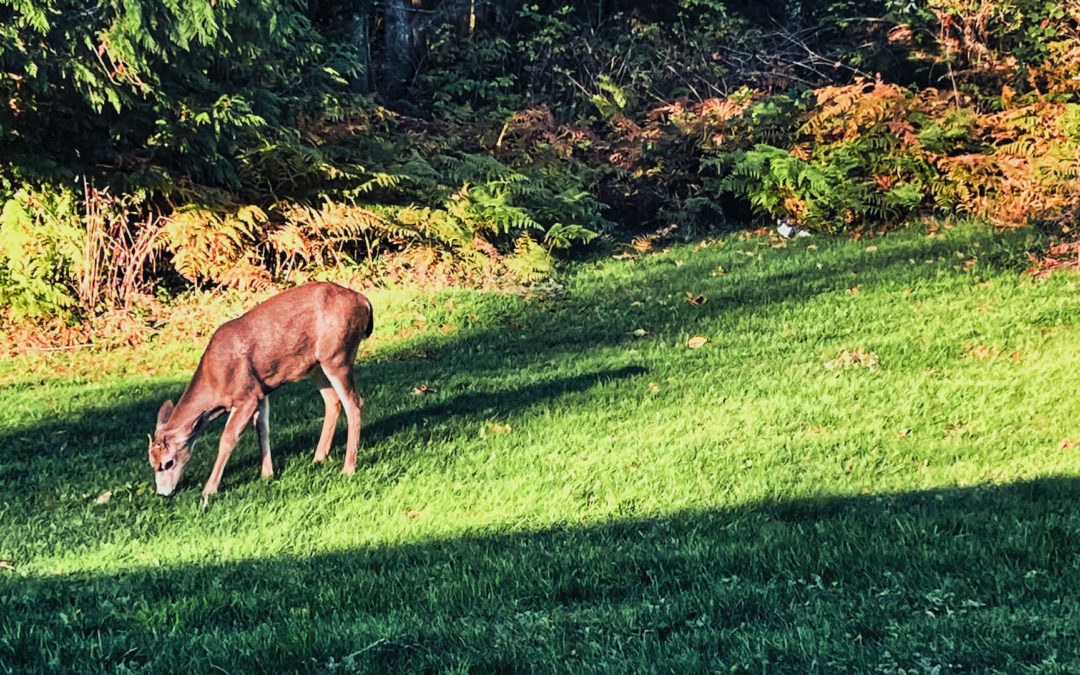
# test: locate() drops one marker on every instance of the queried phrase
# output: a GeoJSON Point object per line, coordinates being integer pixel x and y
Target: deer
{"type": "Point", "coordinates": [312, 330]}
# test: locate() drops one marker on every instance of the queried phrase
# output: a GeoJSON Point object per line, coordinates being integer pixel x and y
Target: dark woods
{"type": "Point", "coordinates": [247, 142]}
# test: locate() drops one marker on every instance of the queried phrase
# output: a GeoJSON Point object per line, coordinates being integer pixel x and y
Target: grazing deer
{"type": "Point", "coordinates": [315, 330]}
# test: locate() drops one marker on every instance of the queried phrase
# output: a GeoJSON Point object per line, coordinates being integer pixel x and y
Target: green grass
{"type": "Point", "coordinates": [575, 496]}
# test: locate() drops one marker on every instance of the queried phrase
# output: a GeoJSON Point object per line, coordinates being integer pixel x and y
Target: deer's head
{"type": "Point", "coordinates": [168, 453]}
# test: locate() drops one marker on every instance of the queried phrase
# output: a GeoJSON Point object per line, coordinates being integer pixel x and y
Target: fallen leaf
{"type": "Point", "coordinates": [4, 564]}
{"type": "Point", "coordinates": [903, 433]}
{"type": "Point", "coordinates": [447, 328]}
{"type": "Point", "coordinates": [502, 428]}
{"type": "Point", "coordinates": [413, 513]}
{"type": "Point", "coordinates": [871, 249]}
{"type": "Point", "coordinates": [640, 332]}
{"type": "Point", "coordinates": [1066, 444]}
{"type": "Point", "coordinates": [982, 352]}
{"type": "Point", "coordinates": [816, 430]}
{"type": "Point", "coordinates": [697, 342]}
{"type": "Point", "coordinates": [424, 389]}
{"type": "Point", "coordinates": [103, 497]}
{"type": "Point", "coordinates": [653, 387]}
{"type": "Point", "coordinates": [678, 263]}
{"type": "Point", "coordinates": [636, 303]}
{"type": "Point", "coordinates": [1015, 356]}
{"type": "Point", "coordinates": [859, 358]}
{"type": "Point", "coordinates": [719, 272]}
{"type": "Point", "coordinates": [854, 290]}
{"type": "Point", "coordinates": [695, 299]}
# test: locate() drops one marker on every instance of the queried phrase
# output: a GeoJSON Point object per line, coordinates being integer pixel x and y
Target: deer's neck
{"type": "Point", "coordinates": [196, 407]}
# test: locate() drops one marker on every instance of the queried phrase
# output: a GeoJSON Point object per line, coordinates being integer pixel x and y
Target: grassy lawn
{"type": "Point", "coordinates": [868, 467]}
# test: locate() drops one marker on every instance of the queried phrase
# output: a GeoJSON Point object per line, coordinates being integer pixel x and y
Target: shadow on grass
{"type": "Point", "coordinates": [980, 579]}
{"type": "Point", "coordinates": [502, 401]}
{"type": "Point", "coordinates": [101, 438]}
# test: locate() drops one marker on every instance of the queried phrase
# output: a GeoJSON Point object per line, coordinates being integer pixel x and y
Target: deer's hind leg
{"type": "Point", "coordinates": [332, 405]}
{"type": "Point", "coordinates": [340, 377]}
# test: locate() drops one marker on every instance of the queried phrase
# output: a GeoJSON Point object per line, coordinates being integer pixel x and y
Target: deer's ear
{"type": "Point", "coordinates": [164, 413]}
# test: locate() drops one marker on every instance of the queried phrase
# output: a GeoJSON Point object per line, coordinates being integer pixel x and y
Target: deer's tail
{"type": "Point", "coordinates": [371, 318]}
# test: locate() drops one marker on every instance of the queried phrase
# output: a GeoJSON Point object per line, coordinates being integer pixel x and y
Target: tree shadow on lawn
{"type": "Point", "coordinates": [102, 440]}
{"type": "Point", "coordinates": [979, 579]}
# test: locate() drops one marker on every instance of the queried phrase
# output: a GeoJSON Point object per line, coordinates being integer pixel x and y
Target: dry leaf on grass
{"type": "Point", "coordinates": [1066, 444]}
{"type": "Point", "coordinates": [697, 342]}
{"type": "Point", "coordinates": [981, 352]}
{"type": "Point", "coordinates": [424, 389]}
{"type": "Point", "coordinates": [695, 299]}
{"type": "Point", "coordinates": [859, 358]}
{"type": "Point", "coordinates": [103, 497]}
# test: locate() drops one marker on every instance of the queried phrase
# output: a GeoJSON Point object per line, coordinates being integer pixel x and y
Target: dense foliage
{"type": "Point", "coordinates": [248, 142]}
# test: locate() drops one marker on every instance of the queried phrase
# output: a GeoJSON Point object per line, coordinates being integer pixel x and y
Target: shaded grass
{"type": "Point", "coordinates": [581, 491]}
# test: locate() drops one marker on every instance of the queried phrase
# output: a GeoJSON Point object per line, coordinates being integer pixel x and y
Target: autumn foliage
{"type": "Point", "coordinates": [525, 131]}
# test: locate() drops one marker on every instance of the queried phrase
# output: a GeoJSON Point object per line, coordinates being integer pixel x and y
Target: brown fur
{"type": "Point", "coordinates": [315, 330]}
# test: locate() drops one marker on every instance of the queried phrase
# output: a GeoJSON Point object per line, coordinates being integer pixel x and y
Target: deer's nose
{"type": "Point", "coordinates": [165, 466]}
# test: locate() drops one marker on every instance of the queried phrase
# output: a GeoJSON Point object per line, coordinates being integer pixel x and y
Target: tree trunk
{"type": "Point", "coordinates": [361, 36]}
{"type": "Point", "coordinates": [398, 48]}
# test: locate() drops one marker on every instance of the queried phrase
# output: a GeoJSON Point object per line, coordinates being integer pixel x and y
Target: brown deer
{"type": "Point", "coordinates": [315, 330]}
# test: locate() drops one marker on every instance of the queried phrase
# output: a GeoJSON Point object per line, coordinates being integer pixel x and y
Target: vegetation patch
{"type": "Point", "coordinates": [541, 488]}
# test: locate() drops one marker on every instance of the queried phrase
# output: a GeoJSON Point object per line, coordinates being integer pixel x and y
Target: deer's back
{"type": "Point", "coordinates": [283, 338]}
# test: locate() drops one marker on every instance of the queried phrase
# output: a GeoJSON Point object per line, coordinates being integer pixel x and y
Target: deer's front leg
{"type": "Point", "coordinates": [239, 417]}
{"type": "Point", "coordinates": [262, 428]}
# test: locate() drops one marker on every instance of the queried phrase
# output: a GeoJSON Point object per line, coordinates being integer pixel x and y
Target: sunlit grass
{"type": "Point", "coordinates": [868, 465]}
